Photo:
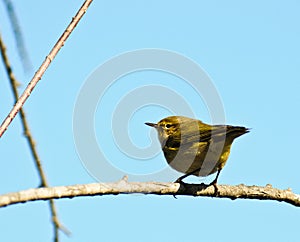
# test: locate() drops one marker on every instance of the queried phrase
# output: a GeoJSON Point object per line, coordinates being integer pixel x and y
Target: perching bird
{"type": "Point", "coordinates": [195, 148]}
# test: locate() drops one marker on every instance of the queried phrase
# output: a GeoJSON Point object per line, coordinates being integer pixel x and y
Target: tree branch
{"type": "Point", "coordinates": [157, 188]}
{"type": "Point", "coordinates": [40, 72]}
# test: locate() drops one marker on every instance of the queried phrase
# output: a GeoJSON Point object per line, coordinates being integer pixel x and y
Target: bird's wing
{"type": "Point", "coordinates": [204, 133]}
{"type": "Point", "coordinates": [201, 132]}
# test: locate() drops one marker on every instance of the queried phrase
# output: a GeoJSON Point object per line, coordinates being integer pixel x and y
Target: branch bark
{"type": "Point", "coordinates": [157, 188]}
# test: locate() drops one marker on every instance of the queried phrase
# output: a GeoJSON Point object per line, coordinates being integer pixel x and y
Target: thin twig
{"type": "Point", "coordinates": [14, 85]}
{"type": "Point", "coordinates": [18, 35]}
{"type": "Point", "coordinates": [157, 188]}
{"type": "Point", "coordinates": [38, 75]}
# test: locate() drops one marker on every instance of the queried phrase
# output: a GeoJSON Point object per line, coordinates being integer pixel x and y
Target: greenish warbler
{"type": "Point", "coordinates": [195, 148]}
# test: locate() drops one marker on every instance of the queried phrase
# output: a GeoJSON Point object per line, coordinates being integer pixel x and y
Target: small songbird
{"type": "Point", "coordinates": [195, 148]}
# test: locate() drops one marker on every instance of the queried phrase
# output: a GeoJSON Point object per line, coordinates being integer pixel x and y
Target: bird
{"type": "Point", "coordinates": [196, 148]}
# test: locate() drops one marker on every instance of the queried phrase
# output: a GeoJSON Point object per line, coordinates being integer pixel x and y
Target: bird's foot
{"type": "Point", "coordinates": [179, 180]}
{"type": "Point", "coordinates": [214, 183]}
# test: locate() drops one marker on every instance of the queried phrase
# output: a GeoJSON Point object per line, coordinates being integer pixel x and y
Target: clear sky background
{"type": "Point", "coordinates": [251, 52]}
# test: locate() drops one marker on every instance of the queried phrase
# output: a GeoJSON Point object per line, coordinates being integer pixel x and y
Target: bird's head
{"type": "Point", "coordinates": [179, 127]}
{"type": "Point", "coordinates": [166, 127]}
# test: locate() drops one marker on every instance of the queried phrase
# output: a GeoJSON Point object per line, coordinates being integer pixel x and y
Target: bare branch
{"type": "Point", "coordinates": [157, 188]}
{"type": "Point", "coordinates": [14, 85]}
{"type": "Point", "coordinates": [40, 72]}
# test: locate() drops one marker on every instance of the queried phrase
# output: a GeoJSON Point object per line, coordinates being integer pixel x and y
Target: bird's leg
{"type": "Point", "coordinates": [214, 182]}
{"type": "Point", "coordinates": [179, 180]}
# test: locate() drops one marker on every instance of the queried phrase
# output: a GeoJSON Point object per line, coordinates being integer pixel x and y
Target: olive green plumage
{"type": "Point", "coordinates": [193, 147]}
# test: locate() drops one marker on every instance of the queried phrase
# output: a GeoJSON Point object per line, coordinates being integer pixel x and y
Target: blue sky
{"type": "Point", "coordinates": [250, 50]}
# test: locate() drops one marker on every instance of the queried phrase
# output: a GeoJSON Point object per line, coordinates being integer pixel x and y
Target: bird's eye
{"type": "Point", "coordinates": [168, 126]}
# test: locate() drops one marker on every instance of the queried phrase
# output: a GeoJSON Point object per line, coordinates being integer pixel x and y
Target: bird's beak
{"type": "Point", "coordinates": [151, 125]}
